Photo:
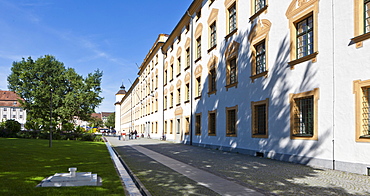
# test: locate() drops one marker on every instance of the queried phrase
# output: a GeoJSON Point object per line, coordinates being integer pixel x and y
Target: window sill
{"type": "Point", "coordinates": [178, 74]}
{"type": "Point", "coordinates": [198, 97]}
{"type": "Point", "coordinates": [231, 85]}
{"type": "Point", "coordinates": [303, 59]}
{"type": "Point", "coordinates": [258, 13]}
{"type": "Point", "coordinates": [259, 136]}
{"type": "Point", "coordinates": [178, 104]}
{"type": "Point", "coordinates": [211, 48]}
{"type": "Point", "coordinates": [231, 135]}
{"type": "Point", "coordinates": [211, 92]}
{"type": "Point", "coordinates": [171, 80]}
{"type": "Point", "coordinates": [263, 74]}
{"type": "Point", "coordinates": [303, 137]}
{"type": "Point", "coordinates": [187, 101]}
{"type": "Point", "coordinates": [186, 68]}
{"type": "Point", "coordinates": [363, 138]}
{"type": "Point", "coordinates": [231, 34]}
{"type": "Point", "coordinates": [358, 39]}
{"type": "Point", "coordinates": [198, 59]}
{"type": "Point", "coordinates": [211, 134]}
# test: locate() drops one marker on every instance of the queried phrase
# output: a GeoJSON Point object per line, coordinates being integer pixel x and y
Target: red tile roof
{"type": "Point", "coordinates": [9, 99]}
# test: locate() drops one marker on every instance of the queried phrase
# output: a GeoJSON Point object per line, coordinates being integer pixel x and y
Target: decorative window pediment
{"type": "Point", "coordinates": [198, 71]}
{"type": "Point", "coordinates": [178, 84]}
{"type": "Point", "coordinates": [213, 61]}
{"type": "Point", "coordinates": [298, 6]}
{"type": "Point", "coordinates": [187, 77]}
{"type": "Point", "coordinates": [187, 43]}
{"type": "Point", "coordinates": [179, 50]}
{"type": "Point", "coordinates": [259, 30]}
{"type": "Point", "coordinates": [212, 16]}
{"type": "Point", "coordinates": [198, 30]}
{"type": "Point", "coordinates": [232, 50]}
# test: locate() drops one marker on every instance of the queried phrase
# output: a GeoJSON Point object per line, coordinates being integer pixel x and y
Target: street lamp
{"type": "Point", "coordinates": [51, 118]}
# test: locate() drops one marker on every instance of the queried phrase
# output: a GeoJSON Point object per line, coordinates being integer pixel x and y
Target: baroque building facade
{"type": "Point", "coordinates": [287, 80]}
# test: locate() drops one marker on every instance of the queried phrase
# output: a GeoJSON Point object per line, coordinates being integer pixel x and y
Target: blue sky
{"type": "Point", "coordinates": [110, 35]}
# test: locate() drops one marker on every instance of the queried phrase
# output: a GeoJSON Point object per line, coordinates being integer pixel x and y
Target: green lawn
{"type": "Point", "coordinates": [25, 162]}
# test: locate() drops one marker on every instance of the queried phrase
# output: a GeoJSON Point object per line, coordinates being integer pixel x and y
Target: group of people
{"type": "Point", "coordinates": [132, 134]}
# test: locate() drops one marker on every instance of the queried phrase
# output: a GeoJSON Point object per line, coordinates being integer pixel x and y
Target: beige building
{"type": "Point", "coordinates": [287, 80]}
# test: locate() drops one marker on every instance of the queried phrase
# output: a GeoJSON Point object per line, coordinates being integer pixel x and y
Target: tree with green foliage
{"type": "Point", "coordinates": [45, 83]}
{"type": "Point", "coordinates": [111, 121]}
{"type": "Point", "coordinates": [9, 128]}
{"type": "Point", "coordinates": [96, 122]}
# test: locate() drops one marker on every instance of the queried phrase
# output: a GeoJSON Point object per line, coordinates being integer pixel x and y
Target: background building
{"type": "Point", "coordinates": [288, 80]}
{"type": "Point", "coordinates": [10, 108]}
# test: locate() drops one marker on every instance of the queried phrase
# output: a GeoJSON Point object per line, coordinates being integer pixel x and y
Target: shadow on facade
{"type": "Point", "coordinates": [277, 86]}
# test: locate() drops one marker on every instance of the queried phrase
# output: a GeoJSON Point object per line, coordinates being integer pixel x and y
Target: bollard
{"type": "Point", "coordinates": [72, 171]}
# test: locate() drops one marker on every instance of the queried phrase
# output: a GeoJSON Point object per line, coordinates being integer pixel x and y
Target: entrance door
{"type": "Point", "coordinates": [178, 130]}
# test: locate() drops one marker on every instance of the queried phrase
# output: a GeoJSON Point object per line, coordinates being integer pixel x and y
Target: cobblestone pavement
{"type": "Point", "coordinates": [262, 174]}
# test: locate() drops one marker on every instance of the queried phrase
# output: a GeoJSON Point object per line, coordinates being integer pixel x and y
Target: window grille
{"type": "Point", "coordinates": [212, 123]}
{"type": "Point", "coordinates": [213, 36]}
{"type": "Point", "coordinates": [199, 47]}
{"type": "Point", "coordinates": [260, 58]}
{"type": "Point", "coordinates": [305, 37]}
{"type": "Point", "coordinates": [367, 15]}
{"type": "Point", "coordinates": [304, 116]}
{"type": "Point", "coordinates": [232, 76]}
{"type": "Point", "coordinates": [259, 4]}
{"type": "Point", "coordinates": [198, 124]}
{"type": "Point", "coordinates": [231, 122]}
{"type": "Point", "coordinates": [212, 82]}
{"type": "Point", "coordinates": [365, 112]}
{"type": "Point", "coordinates": [187, 57]}
{"type": "Point", "coordinates": [260, 119]}
{"type": "Point", "coordinates": [232, 18]}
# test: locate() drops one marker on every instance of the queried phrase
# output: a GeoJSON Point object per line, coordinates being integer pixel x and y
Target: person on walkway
{"type": "Point", "coordinates": [135, 133]}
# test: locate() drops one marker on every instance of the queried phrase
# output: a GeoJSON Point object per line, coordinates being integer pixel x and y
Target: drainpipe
{"type": "Point", "coordinates": [163, 94]}
{"type": "Point", "coordinates": [333, 53]}
{"type": "Point", "coordinates": [191, 77]}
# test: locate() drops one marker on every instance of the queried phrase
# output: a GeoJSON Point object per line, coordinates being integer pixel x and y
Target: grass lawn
{"type": "Point", "coordinates": [25, 162]}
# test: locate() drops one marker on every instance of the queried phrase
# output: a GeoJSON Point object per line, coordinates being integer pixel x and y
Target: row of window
{"type": "Point", "coordinates": [13, 116]}
{"type": "Point", "coordinates": [303, 117]}
{"type": "Point", "coordinates": [303, 37]}
{"type": "Point", "coordinates": [12, 109]}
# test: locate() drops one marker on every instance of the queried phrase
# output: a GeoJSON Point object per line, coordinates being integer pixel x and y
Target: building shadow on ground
{"type": "Point", "coordinates": [262, 174]}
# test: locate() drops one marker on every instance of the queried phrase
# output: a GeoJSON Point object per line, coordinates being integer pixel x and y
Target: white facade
{"type": "Point", "coordinates": [10, 108]}
{"type": "Point", "coordinates": [330, 73]}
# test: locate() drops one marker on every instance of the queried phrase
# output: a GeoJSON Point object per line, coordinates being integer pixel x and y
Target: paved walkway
{"type": "Point", "coordinates": [246, 175]}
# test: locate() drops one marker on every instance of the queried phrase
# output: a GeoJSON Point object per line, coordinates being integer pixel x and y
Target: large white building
{"type": "Point", "coordinates": [286, 79]}
{"type": "Point", "coordinates": [10, 108]}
